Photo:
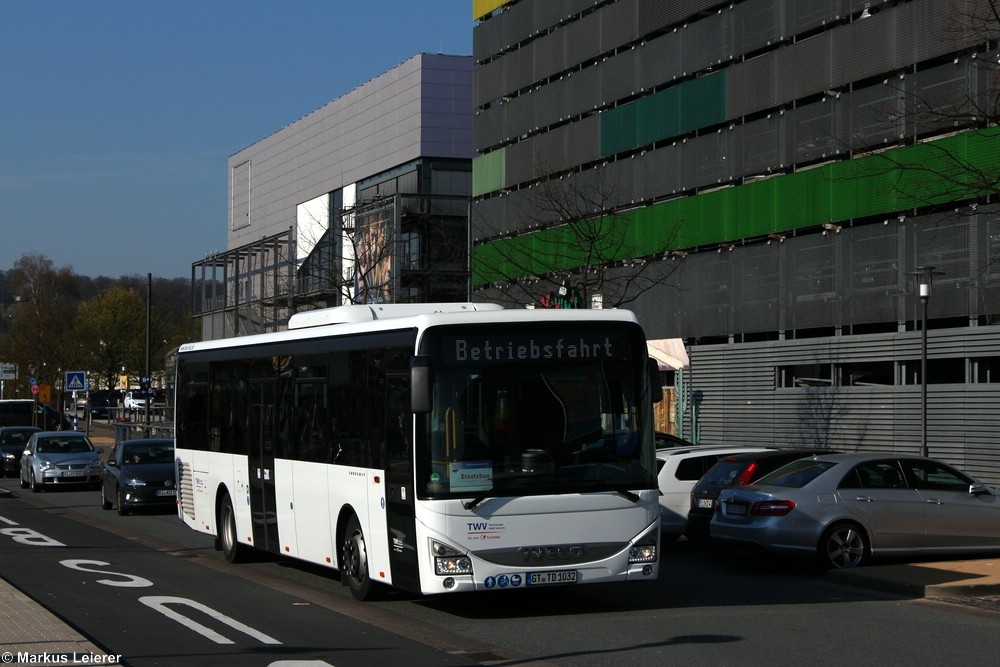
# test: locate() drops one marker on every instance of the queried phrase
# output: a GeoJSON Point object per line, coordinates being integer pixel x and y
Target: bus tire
{"type": "Point", "coordinates": [231, 547]}
{"type": "Point", "coordinates": [354, 561]}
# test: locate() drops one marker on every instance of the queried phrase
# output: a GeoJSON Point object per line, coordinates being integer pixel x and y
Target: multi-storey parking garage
{"type": "Point", "coordinates": [784, 169]}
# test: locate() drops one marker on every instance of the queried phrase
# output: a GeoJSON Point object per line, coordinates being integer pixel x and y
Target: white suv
{"type": "Point", "coordinates": [679, 470]}
{"type": "Point", "coordinates": [135, 400]}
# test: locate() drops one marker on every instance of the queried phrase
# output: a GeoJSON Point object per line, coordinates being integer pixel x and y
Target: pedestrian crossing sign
{"type": "Point", "coordinates": [76, 381]}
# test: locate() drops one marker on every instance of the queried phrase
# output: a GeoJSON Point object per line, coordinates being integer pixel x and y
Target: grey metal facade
{"type": "Point", "coordinates": [807, 82]}
{"type": "Point", "coordinates": [402, 140]}
{"type": "Point", "coordinates": [414, 110]}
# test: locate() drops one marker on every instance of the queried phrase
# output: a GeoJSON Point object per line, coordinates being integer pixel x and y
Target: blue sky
{"type": "Point", "coordinates": [117, 117]}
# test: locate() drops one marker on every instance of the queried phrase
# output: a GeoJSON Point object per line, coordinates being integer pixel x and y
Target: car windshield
{"type": "Point", "coordinates": [14, 437]}
{"type": "Point", "coordinates": [796, 474]}
{"type": "Point", "coordinates": [143, 453]}
{"type": "Point", "coordinates": [64, 446]}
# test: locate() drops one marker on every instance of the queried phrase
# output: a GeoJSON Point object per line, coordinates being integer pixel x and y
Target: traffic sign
{"type": "Point", "coordinates": [76, 380]}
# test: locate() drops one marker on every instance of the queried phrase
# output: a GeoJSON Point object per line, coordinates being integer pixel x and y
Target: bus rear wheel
{"type": "Point", "coordinates": [231, 547]}
{"type": "Point", "coordinates": [354, 562]}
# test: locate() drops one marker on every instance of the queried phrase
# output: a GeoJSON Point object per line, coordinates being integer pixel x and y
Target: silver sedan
{"type": "Point", "coordinates": [844, 508]}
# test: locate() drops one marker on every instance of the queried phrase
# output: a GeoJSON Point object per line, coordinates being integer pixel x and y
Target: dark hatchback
{"type": "Point", "coordinates": [139, 473]}
{"type": "Point", "coordinates": [734, 470]}
{"type": "Point", "coordinates": [13, 440]}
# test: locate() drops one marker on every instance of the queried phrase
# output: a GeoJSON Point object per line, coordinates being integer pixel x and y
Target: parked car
{"type": "Point", "coordinates": [139, 473]}
{"type": "Point", "coordinates": [13, 441]}
{"type": "Point", "coordinates": [735, 470]}
{"type": "Point", "coordinates": [845, 508]}
{"type": "Point", "coordinates": [99, 404]}
{"type": "Point", "coordinates": [29, 412]}
{"type": "Point", "coordinates": [670, 441]}
{"type": "Point", "coordinates": [678, 471]}
{"type": "Point", "coordinates": [59, 458]}
{"type": "Point", "coordinates": [135, 400]}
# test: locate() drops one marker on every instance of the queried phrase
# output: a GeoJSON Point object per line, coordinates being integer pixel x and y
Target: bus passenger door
{"type": "Point", "coordinates": [261, 463]}
{"type": "Point", "coordinates": [399, 483]}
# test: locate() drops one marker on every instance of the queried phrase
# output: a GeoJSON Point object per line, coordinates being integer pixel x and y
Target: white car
{"type": "Point", "coordinates": [679, 470]}
{"type": "Point", "coordinates": [135, 400]}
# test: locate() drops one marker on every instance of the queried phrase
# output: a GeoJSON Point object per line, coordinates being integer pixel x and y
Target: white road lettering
{"type": "Point", "coordinates": [29, 536]}
{"type": "Point", "coordinates": [131, 581]}
{"type": "Point", "coordinates": [160, 602]}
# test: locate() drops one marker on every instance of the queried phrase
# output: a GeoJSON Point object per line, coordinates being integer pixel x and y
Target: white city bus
{"type": "Point", "coordinates": [430, 447]}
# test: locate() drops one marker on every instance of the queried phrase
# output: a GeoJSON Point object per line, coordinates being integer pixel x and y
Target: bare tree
{"type": "Point", "coordinates": [573, 246]}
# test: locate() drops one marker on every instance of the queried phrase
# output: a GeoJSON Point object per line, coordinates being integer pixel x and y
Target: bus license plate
{"type": "Point", "coordinates": [549, 578]}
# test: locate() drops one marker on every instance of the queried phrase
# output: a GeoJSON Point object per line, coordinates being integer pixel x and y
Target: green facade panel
{"type": "Point", "coordinates": [703, 102]}
{"type": "Point", "coordinates": [488, 172]}
{"type": "Point", "coordinates": [683, 108]}
{"type": "Point", "coordinates": [951, 169]}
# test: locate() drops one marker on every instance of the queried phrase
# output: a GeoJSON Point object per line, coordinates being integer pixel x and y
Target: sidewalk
{"type": "Point", "coordinates": [28, 629]}
{"type": "Point", "coordinates": [942, 579]}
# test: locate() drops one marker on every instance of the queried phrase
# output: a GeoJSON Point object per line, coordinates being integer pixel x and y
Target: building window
{"type": "Point", "coordinates": [806, 375]}
{"type": "Point", "coordinates": [986, 370]}
{"type": "Point", "coordinates": [877, 373]}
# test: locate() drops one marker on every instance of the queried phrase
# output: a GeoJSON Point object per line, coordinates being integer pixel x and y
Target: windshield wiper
{"type": "Point", "coordinates": [620, 490]}
{"type": "Point", "coordinates": [497, 484]}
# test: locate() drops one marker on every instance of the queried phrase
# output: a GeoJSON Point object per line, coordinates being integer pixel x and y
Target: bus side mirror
{"type": "Point", "coordinates": [420, 385]}
{"type": "Point", "coordinates": [655, 388]}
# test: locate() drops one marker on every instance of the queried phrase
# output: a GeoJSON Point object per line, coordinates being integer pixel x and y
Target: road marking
{"type": "Point", "coordinates": [132, 581]}
{"type": "Point", "coordinates": [160, 602]}
{"type": "Point", "coordinates": [29, 536]}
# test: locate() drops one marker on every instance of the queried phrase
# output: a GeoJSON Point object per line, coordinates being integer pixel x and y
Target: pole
{"type": "Point", "coordinates": [149, 379]}
{"type": "Point", "coordinates": [924, 298]}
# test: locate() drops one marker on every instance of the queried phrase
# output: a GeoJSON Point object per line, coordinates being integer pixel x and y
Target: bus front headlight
{"type": "Point", "coordinates": [448, 561]}
{"type": "Point", "coordinates": [643, 551]}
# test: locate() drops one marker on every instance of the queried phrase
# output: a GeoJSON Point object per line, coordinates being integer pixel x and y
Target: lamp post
{"type": "Point", "coordinates": [925, 276]}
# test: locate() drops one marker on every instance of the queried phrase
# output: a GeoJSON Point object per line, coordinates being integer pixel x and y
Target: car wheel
{"type": "Point", "coordinates": [354, 562]}
{"type": "Point", "coordinates": [24, 482]}
{"type": "Point", "coordinates": [35, 486]}
{"type": "Point", "coordinates": [105, 503]}
{"type": "Point", "coordinates": [843, 545]}
{"type": "Point", "coordinates": [120, 500]}
{"type": "Point", "coordinates": [231, 547]}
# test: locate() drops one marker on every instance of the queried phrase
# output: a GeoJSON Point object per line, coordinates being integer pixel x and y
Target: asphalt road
{"type": "Point", "coordinates": [707, 607]}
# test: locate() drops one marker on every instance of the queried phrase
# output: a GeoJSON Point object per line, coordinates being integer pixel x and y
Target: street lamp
{"type": "Point", "coordinates": [925, 276]}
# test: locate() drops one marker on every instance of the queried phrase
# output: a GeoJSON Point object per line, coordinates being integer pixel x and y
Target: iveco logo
{"type": "Point", "coordinates": [534, 554]}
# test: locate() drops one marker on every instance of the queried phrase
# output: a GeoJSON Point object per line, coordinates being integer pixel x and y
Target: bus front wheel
{"type": "Point", "coordinates": [231, 547]}
{"type": "Point", "coordinates": [354, 564]}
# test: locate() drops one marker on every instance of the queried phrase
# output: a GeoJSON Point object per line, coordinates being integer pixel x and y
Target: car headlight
{"type": "Point", "coordinates": [448, 561]}
{"type": "Point", "coordinates": [8, 456]}
{"type": "Point", "coordinates": [45, 464]}
{"type": "Point", "coordinates": [96, 463]}
{"type": "Point", "coordinates": [133, 482]}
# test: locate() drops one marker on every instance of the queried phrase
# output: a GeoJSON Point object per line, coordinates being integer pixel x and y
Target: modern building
{"type": "Point", "coordinates": [782, 173]}
{"type": "Point", "coordinates": [363, 200]}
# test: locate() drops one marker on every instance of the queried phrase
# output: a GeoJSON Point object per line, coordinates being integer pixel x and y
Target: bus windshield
{"type": "Point", "coordinates": [536, 414]}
